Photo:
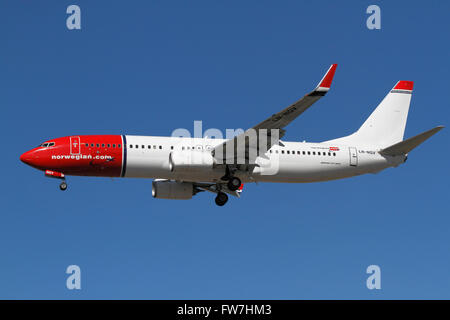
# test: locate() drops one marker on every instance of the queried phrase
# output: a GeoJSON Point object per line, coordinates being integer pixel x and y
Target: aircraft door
{"type": "Point", "coordinates": [75, 145]}
{"type": "Point", "coordinates": [353, 156]}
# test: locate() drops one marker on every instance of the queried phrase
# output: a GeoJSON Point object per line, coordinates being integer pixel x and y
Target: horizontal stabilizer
{"type": "Point", "coordinates": [407, 145]}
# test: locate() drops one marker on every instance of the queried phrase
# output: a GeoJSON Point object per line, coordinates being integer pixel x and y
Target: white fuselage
{"type": "Point", "coordinates": [294, 162]}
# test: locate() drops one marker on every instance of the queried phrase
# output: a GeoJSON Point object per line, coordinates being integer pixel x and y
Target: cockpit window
{"type": "Point", "coordinates": [47, 144]}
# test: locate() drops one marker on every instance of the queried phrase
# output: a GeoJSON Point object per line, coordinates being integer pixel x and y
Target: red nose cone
{"type": "Point", "coordinates": [26, 158]}
{"type": "Point", "coordinates": [37, 158]}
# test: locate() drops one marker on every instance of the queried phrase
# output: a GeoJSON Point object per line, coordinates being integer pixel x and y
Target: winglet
{"type": "Point", "coordinates": [325, 84]}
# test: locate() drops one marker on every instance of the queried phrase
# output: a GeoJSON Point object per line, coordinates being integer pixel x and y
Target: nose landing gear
{"type": "Point", "coordinates": [57, 175]}
{"type": "Point", "coordinates": [63, 186]}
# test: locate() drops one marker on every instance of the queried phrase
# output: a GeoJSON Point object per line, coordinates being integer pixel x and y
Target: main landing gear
{"type": "Point", "coordinates": [221, 199]}
{"type": "Point", "coordinates": [233, 183]}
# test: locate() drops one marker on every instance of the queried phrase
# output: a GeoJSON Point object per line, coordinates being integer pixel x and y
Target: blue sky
{"type": "Point", "coordinates": [149, 67]}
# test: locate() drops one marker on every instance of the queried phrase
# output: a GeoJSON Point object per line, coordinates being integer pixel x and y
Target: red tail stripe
{"type": "Point", "coordinates": [404, 85]}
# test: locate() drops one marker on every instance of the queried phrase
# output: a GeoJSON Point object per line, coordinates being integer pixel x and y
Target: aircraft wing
{"type": "Point", "coordinates": [277, 121]}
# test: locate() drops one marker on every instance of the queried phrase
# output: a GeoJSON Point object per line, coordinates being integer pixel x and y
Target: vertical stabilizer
{"type": "Point", "coordinates": [386, 125]}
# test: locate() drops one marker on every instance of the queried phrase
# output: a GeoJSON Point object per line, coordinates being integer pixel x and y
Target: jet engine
{"type": "Point", "coordinates": [166, 189]}
{"type": "Point", "coordinates": [190, 161]}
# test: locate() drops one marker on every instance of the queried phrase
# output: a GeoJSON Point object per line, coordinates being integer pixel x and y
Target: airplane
{"type": "Point", "coordinates": [184, 166]}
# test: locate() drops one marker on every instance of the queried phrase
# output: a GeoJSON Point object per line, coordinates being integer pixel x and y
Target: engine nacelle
{"type": "Point", "coordinates": [190, 161]}
{"type": "Point", "coordinates": [166, 189]}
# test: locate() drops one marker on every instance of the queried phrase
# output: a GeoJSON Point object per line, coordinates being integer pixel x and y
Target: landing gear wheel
{"type": "Point", "coordinates": [234, 183]}
{"type": "Point", "coordinates": [221, 199]}
{"type": "Point", "coordinates": [63, 186]}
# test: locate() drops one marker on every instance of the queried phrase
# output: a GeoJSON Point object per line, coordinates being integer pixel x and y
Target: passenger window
{"type": "Point", "coordinates": [154, 147]}
{"type": "Point", "coordinates": [309, 153]}
{"type": "Point", "coordinates": [334, 153]}
{"type": "Point", "coordinates": [329, 154]}
{"type": "Point", "coordinates": [314, 153]}
{"type": "Point", "coordinates": [160, 147]}
{"type": "Point", "coordinates": [119, 145]}
{"type": "Point", "coordinates": [287, 152]}
{"type": "Point", "coordinates": [282, 151]}
{"type": "Point", "coordinates": [92, 144]}
{"type": "Point", "coordinates": [171, 147]}
{"type": "Point", "coordinates": [182, 148]}
{"type": "Point", "coordinates": [109, 145]}
{"type": "Point", "coordinates": [131, 146]}
{"type": "Point", "coordinates": [114, 145]}
{"type": "Point", "coordinates": [86, 144]}
{"type": "Point", "coordinates": [276, 151]}
{"type": "Point", "coordinates": [98, 145]}
{"type": "Point", "coordinates": [143, 147]}
{"type": "Point", "coordinates": [103, 145]}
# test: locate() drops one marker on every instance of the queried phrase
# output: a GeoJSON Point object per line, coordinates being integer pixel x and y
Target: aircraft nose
{"type": "Point", "coordinates": [27, 158]}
